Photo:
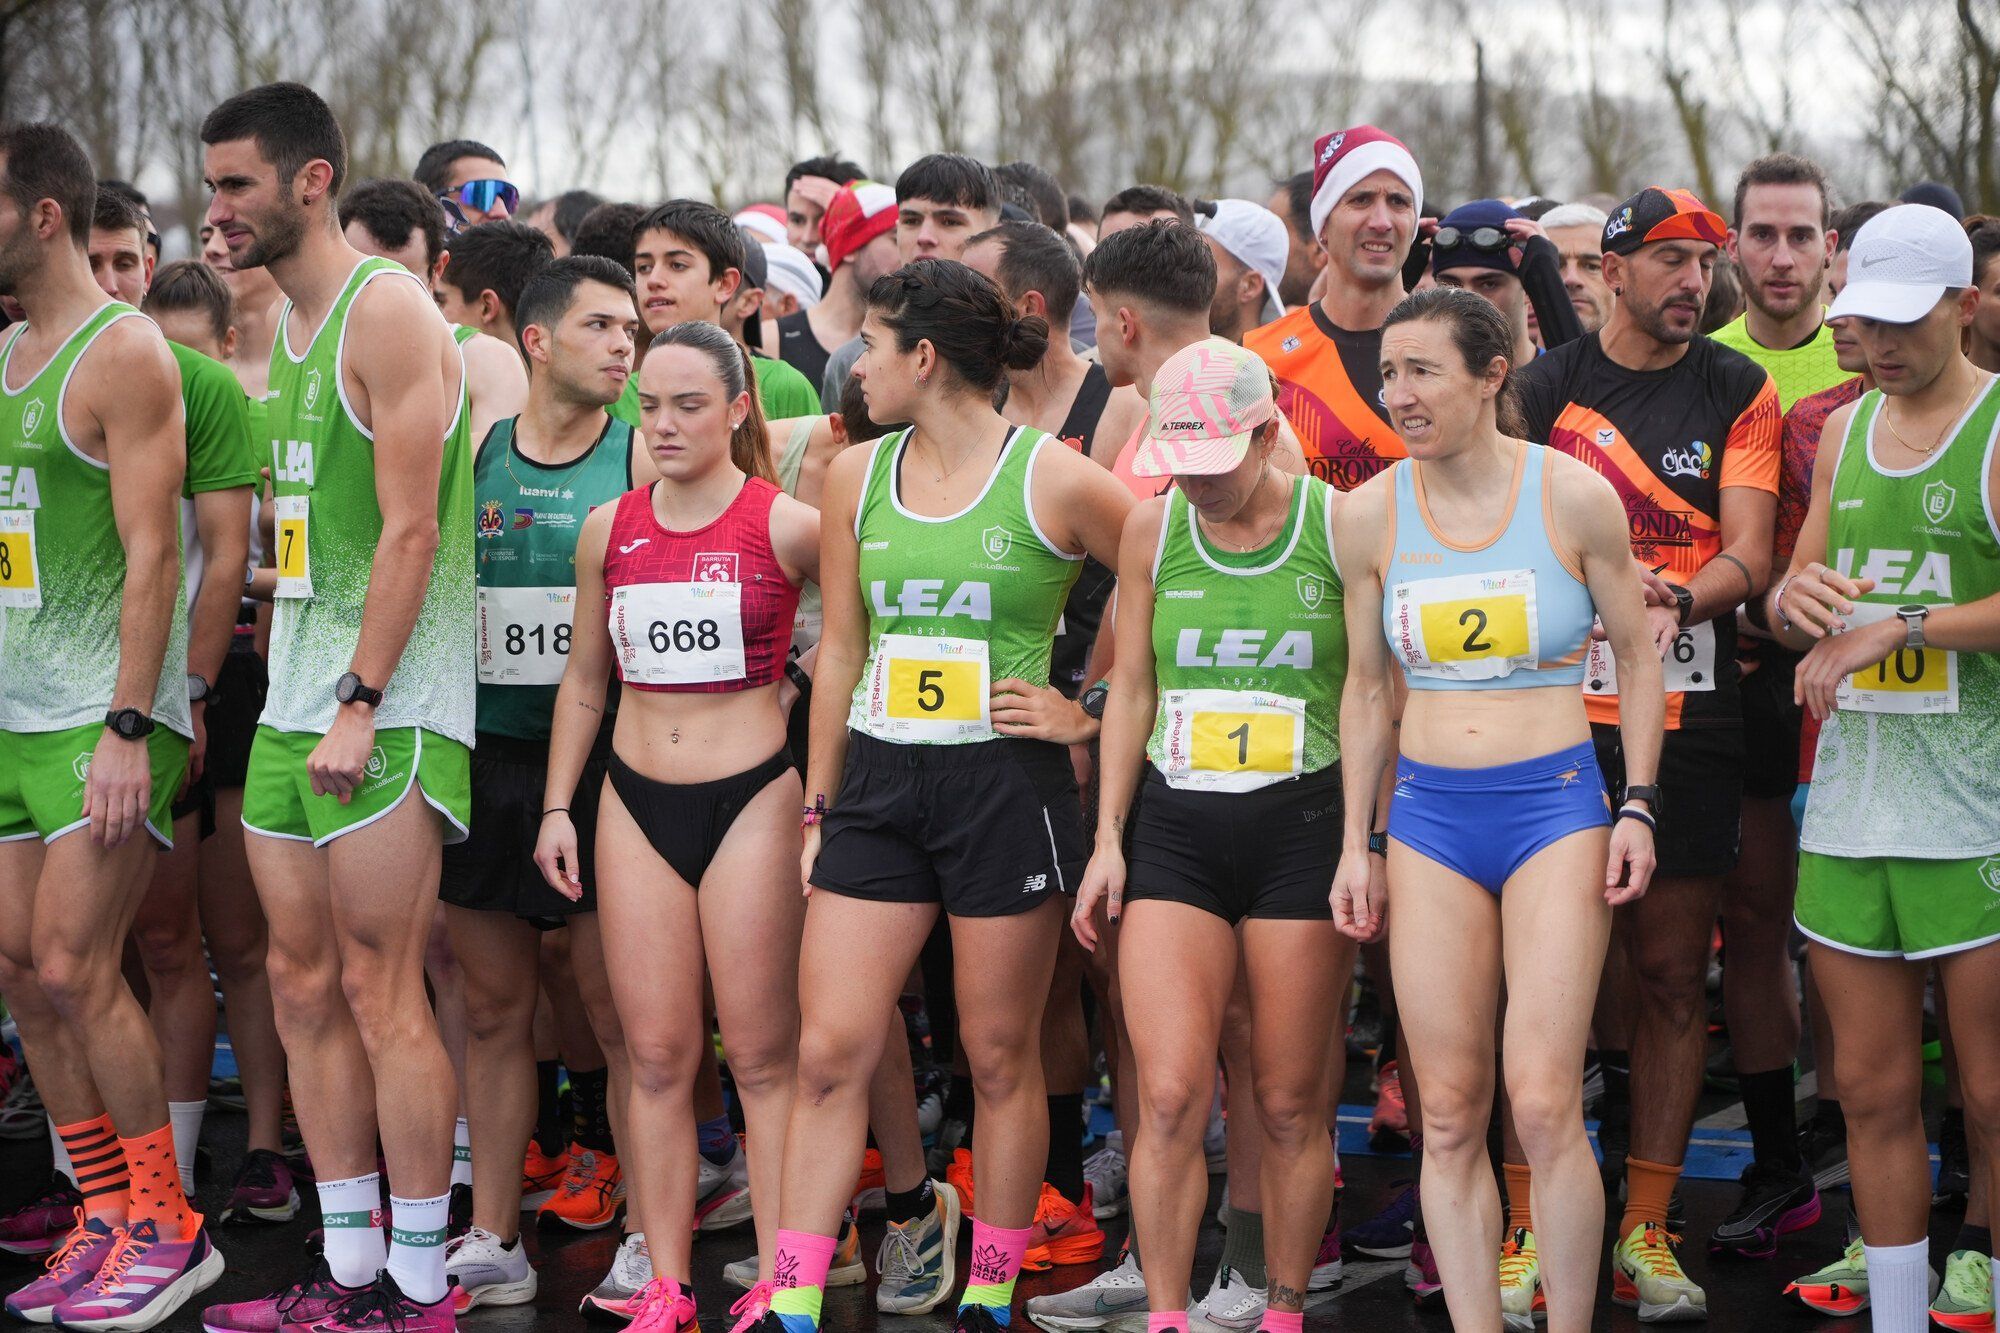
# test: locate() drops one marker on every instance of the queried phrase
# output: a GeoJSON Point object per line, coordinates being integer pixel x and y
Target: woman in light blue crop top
{"type": "Point", "coordinates": [1478, 566]}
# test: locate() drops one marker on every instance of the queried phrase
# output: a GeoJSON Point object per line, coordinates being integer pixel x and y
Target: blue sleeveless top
{"type": "Point", "coordinates": [1508, 613]}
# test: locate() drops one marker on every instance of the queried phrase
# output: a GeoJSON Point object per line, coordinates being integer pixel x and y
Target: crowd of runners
{"type": "Point", "coordinates": [689, 723]}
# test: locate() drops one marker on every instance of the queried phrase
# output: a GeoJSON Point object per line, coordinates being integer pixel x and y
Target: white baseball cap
{"type": "Point", "coordinates": [792, 272]}
{"type": "Point", "coordinates": [1257, 238]}
{"type": "Point", "coordinates": [1902, 262]}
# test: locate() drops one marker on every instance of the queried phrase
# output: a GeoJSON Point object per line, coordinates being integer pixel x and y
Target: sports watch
{"type": "Point", "coordinates": [349, 690]}
{"type": "Point", "coordinates": [1913, 623]}
{"type": "Point", "coordinates": [1378, 843]}
{"type": "Point", "coordinates": [1092, 700]}
{"type": "Point", "coordinates": [198, 688]}
{"type": "Point", "coordinates": [129, 723]}
{"type": "Point", "coordinates": [1642, 792]}
{"type": "Point", "coordinates": [1683, 602]}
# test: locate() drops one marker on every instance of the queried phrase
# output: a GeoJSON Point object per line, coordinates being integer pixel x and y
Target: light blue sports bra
{"type": "Point", "coordinates": [1509, 613]}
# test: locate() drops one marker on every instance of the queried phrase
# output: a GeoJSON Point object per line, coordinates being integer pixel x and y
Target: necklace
{"type": "Point", "coordinates": [1978, 382]}
{"type": "Point", "coordinates": [507, 461]}
{"type": "Point", "coordinates": [939, 478]}
{"type": "Point", "coordinates": [1265, 538]}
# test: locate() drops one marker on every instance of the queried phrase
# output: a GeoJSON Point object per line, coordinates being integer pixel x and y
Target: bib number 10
{"type": "Point", "coordinates": [1909, 680]}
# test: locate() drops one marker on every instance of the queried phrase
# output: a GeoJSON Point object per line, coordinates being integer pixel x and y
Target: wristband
{"type": "Point", "coordinates": [1633, 812]}
{"type": "Point", "coordinates": [797, 675]}
{"type": "Point", "coordinates": [1748, 584]}
{"type": "Point", "coordinates": [815, 814]}
{"type": "Point", "coordinates": [1778, 602]}
{"type": "Point", "coordinates": [556, 810]}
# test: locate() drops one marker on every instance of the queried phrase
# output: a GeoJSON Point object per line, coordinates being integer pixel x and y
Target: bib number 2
{"type": "Point", "coordinates": [1466, 626]}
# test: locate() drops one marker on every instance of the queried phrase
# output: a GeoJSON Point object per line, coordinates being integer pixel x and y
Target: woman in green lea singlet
{"type": "Point", "coordinates": [1227, 686]}
{"type": "Point", "coordinates": [1476, 567]}
{"type": "Point", "coordinates": [947, 550]}
{"type": "Point", "coordinates": [1895, 589]}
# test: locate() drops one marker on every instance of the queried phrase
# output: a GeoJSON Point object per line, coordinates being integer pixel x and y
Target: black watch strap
{"type": "Point", "coordinates": [1646, 792]}
{"type": "Point", "coordinates": [1378, 843]}
{"type": "Point", "coordinates": [129, 723]}
{"type": "Point", "coordinates": [797, 675]}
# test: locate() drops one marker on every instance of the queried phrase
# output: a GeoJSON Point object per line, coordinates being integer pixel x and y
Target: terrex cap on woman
{"type": "Point", "coordinates": [1208, 401]}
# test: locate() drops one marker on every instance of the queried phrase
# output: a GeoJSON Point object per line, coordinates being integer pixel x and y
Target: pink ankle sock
{"type": "Point", "coordinates": [799, 1272]}
{"type": "Point", "coordinates": [1166, 1321]}
{"type": "Point", "coordinates": [1283, 1321]}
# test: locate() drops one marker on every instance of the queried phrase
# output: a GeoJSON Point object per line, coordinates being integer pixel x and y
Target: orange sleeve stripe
{"type": "Point", "coordinates": [1755, 449]}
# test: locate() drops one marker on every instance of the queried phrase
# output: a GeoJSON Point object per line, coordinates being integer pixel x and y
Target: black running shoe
{"type": "Point", "coordinates": [1776, 1200]}
{"type": "Point", "coordinates": [1823, 1148]}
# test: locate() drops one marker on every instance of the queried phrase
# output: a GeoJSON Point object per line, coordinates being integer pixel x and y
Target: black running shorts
{"type": "Point", "coordinates": [1269, 853]}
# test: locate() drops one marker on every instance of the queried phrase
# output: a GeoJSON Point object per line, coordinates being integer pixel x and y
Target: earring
{"type": "Point", "coordinates": [923, 378]}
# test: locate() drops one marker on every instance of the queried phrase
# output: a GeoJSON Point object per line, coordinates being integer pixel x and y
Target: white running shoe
{"type": "Point", "coordinates": [1105, 1172]}
{"type": "Point", "coordinates": [722, 1193]}
{"type": "Point", "coordinates": [1113, 1301]}
{"type": "Point", "coordinates": [488, 1271]}
{"type": "Point", "coordinates": [1231, 1304]}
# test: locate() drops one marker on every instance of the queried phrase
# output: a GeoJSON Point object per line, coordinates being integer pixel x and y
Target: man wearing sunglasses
{"type": "Point", "coordinates": [470, 180]}
{"type": "Point", "coordinates": [1491, 250]}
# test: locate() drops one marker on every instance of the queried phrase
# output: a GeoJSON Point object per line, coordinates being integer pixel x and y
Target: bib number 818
{"type": "Point", "coordinates": [518, 636]}
{"type": "Point", "coordinates": [684, 636]}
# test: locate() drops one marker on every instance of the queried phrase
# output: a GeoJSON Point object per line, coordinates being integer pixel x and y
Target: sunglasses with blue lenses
{"type": "Point", "coordinates": [482, 195]}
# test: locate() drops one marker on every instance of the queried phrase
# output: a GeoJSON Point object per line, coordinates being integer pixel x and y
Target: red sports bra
{"type": "Point", "coordinates": [708, 611]}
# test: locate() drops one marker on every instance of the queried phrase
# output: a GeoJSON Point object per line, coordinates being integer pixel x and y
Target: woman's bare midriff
{"type": "Point", "coordinates": [1486, 728]}
{"type": "Point", "coordinates": [685, 738]}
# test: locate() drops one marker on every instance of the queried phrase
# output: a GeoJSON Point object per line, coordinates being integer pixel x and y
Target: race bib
{"type": "Point", "coordinates": [1909, 680]}
{"type": "Point", "coordinates": [524, 635]}
{"type": "Point", "coordinates": [929, 689]}
{"type": "Point", "coordinates": [1688, 668]}
{"type": "Point", "coordinates": [1466, 626]}
{"type": "Point", "coordinates": [1231, 740]}
{"type": "Point", "coordinates": [20, 572]}
{"type": "Point", "coordinates": [678, 633]}
{"type": "Point", "coordinates": [288, 514]}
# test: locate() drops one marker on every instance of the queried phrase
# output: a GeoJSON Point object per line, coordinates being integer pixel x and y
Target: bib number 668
{"type": "Point", "coordinates": [684, 636]}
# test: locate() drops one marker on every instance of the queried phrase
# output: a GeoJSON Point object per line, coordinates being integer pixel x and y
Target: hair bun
{"type": "Point", "coordinates": [1024, 343]}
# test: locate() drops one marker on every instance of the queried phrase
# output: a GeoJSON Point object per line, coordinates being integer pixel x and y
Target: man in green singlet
{"type": "Point", "coordinates": [361, 766]}
{"type": "Point", "coordinates": [94, 721]}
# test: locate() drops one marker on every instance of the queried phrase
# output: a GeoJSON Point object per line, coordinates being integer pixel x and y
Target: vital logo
{"type": "Point", "coordinates": [996, 542]}
{"type": "Point", "coordinates": [1989, 873]}
{"type": "Point", "coordinates": [312, 389]}
{"type": "Point", "coordinates": [1939, 497]}
{"type": "Point", "coordinates": [490, 522]}
{"type": "Point", "coordinates": [1312, 591]}
{"type": "Point", "coordinates": [31, 416]}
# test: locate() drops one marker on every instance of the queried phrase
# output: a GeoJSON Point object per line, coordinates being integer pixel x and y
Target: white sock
{"type": "Point", "coordinates": [61, 1152]}
{"type": "Point", "coordinates": [1899, 1286]}
{"type": "Point", "coordinates": [351, 1211]}
{"type": "Point", "coordinates": [416, 1246]}
{"type": "Point", "coordinates": [186, 1120]}
{"type": "Point", "coordinates": [461, 1153]}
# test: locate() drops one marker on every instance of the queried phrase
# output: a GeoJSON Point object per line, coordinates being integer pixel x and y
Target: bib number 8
{"type": "Point", "coordinates": [683, 636]}
{"type": "Point", "coordinates": [19, 585]}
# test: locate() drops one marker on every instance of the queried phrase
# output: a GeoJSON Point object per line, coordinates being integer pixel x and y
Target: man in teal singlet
{"type": "Point", "coordinates": [536, 479]}
{"type": "Point", "coordinates": [93, 708]}
{"type": "Point", "coordinates": [361, 766]}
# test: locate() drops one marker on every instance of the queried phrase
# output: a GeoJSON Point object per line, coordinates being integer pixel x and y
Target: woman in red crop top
{"type": "Point", "coordinates": [688, 589]}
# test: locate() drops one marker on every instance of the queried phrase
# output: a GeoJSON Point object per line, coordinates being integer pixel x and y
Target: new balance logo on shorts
{"type": "Point", "coordinates": [1035, 884]}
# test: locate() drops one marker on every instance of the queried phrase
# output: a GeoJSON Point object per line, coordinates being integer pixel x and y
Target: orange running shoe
{"type": "Point", "coordinates": [959, 1176]}
{"type": "Point", "coordinates": [871, 1192]}
{"type": "Point", "coordinates": [588, 1197]}
{"type": "Point", "coordinates": [541, 1176]}
{"type": "Point", "coordinates": [1065, 1233]}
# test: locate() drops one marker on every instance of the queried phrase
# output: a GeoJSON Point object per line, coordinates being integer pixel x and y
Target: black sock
{"type": "Point", "coordinates": [1979, 1239]}
{"type": "Point", "coordinates": [1065, 1165]}
{"type": "Point", "coordinates": [1767, 1103]}
{"type": "Point", "coordinates": [909, 1205]}
{"type": "Point", "coordinates": [1617, 1066]}
{"type": "Point", "coordinates": [548, 1108]}
{"type": "Point", "coordinates": [591, 1113]}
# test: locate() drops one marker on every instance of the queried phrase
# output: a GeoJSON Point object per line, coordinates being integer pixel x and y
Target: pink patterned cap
{"type": "Point", "coordinates": [1208, 401]}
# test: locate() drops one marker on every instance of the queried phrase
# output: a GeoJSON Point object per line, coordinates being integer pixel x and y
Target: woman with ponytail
{"type": "Point", "coordinates": [936, 785]}
{"type": "Point", "coordinates": [688, 588]}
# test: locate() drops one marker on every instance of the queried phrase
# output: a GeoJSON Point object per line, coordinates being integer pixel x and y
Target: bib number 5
{"type": "Point", "coordinates": [926, 689]}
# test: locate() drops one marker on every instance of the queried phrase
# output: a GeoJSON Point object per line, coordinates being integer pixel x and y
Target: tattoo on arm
{"type": "Point", "coordinates": [589, 708]}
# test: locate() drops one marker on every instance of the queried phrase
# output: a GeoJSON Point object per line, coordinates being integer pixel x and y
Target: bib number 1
{"type": "Point", "coordinates": [20, 575]}
{"type": "Point", "coordinates": [1230, 740]}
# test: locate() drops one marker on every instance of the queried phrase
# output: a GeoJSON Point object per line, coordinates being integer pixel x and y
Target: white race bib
{"type": "Point", "coordinates": [1466, 626]}
{"type": "Point", "coordinates": [1909, 680]}
{"type": "Point", "coordinates": [678, 633]}
{"type": "Point", "coordinates": [1231, 740]}
{"type": "Point", "coordinates": [20, 570]}
{"type": "Point", "coordinates": [289, 519]}
{"type": "Point", "coordinates": [1688, 668]}
{"type": "Point", "coordinates": [929, 689]}
{"type": "Point", "coordinates": [524, 635]}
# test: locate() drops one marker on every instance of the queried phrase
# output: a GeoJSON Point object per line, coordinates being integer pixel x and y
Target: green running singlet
{"type": "Point", "coordinates": [954, 603]}
{"type": "Point", "coordinates": [1906, 765]}
{"type": "Point", "coordinates": [62, 566]}
{"type": "Point", "coordinates": [529, 515]}
{"type": "Point", "coordinates": [327, 526]}
{"type": "Point", "coordinates": [1249, 650]}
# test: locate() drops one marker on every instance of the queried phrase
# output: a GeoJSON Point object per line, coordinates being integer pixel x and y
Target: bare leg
{"type": "Point", "coordinates": [1666, 937]}
{"type": "Point", "coordinates": [167, 930]}
{"type": "Point", "coordinates": [1244, 1130]}
{"type": "Point", "coordinates": [892, 1110]}
{"type": "Point", "coordinates": [1876, 1006]}
{"type": "Point", "coordinates": [496, 951]}
{"type": "Point", "coordinates": [232, 922]}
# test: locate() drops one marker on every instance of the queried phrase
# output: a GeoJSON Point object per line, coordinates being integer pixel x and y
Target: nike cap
{"type": "Point", "coordinates": [1903, 261]}
{"type": "Point", "coordinates": [1256, 237]}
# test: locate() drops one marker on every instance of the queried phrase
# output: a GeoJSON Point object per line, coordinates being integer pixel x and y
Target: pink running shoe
{"type": "Point", "coordinates": [381, 1307]}
{"type": "Point", "coordinates": [68, 1270]}
{"type": "Point", "coordinates": [1420, 1275]}
{"type": "Point", "coordinates": [43, 1222]}
{"type": "Point", "coordinates": [1327, 1266]}
{"type": "Point", "coordinates": [143, 1281]}
{"type": "Point", "coordinates": [290, 1309]}
{"type": "Point", "coordinates": [752, 1306]}
{"type": "Point", "coordinates": [664, 1308]}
